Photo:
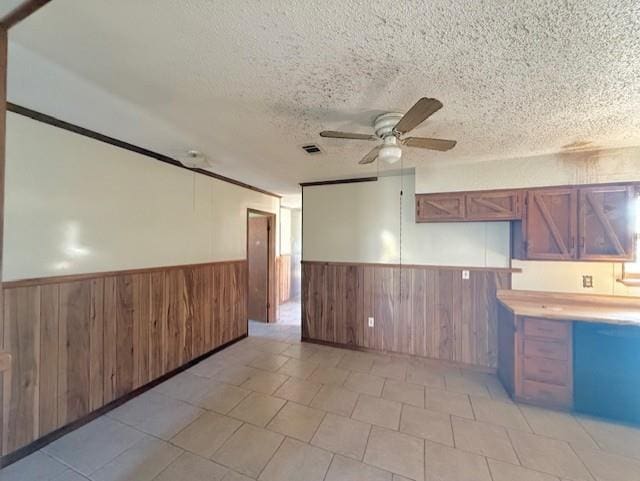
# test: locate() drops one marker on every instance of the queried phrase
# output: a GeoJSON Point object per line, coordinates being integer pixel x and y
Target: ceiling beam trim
{"type": "Point", "coordinates": [22, 11]}
{"type": "Point", "coordinates": [48, 119]}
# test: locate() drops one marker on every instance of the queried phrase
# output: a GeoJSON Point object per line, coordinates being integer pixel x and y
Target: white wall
{"type": "Point", "coordinates": [296, 232]}
{"type": "Point", "coordinates": [75, 205]}
{"type": "Point", "coordinates": [285, 231]}
{"type": "Point", "coordinates": [290, 231]}
{"type": "Point", "coordinates": [567, 277]}
{"type": "Point", "coordinates": [360, 222]}
{"type": "Point", "coordinates": [559, 169]}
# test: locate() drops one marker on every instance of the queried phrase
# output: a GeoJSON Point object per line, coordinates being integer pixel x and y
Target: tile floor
{"type": "Point", "coordinates": [289, 313]}
{"type": "Point", "coordinates": [271, 408]}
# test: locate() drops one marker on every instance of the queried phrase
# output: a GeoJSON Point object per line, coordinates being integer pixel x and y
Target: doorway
{"type": "Point", "coordinates": [289, 268]}
{"type": "Point", "coordinates": [261, 302]}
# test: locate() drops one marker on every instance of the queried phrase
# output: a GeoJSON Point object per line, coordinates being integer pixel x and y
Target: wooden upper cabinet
{"type": "Point", "coordinates": [440, 207]}
{"type": "Point", "coordinates": [493, 205]}
{"type": "Point", "coordinates": [551, 224]}
{"type": "Point", "coordinates": [606, 220]}
{"type": "Point", "coordinates": [584, 222]}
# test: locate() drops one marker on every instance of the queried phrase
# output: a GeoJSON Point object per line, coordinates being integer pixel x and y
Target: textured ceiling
{"type": "Point", "coordinates": [250, 81]}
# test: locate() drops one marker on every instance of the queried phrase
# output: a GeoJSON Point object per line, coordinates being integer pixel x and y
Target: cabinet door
{"type": "Point", "coordinates": [440, 207]}
{"type": "Point", "coordinates": [607, 223]}
{"type": "Point", "coordinates": [493, 205]}
{"type": "Point", "coordinates": [551, 224]}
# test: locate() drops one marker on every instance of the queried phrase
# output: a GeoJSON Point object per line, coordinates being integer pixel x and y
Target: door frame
{"type": "Point", "coordinates": [272, 294]}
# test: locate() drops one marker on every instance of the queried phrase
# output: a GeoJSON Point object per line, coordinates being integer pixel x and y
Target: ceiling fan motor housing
{"type": "Point", "coordinates": [384, 124]}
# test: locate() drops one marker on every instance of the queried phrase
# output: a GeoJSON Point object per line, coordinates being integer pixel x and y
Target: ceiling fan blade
{"type": "Point", "coordinates": [347, 135]}
{"type": "Point", "coordinates": [421, 111]}
{"type": "Point", "coordinates": [433, 144]}
{"type": "Point", "coordinates": [371, 156]}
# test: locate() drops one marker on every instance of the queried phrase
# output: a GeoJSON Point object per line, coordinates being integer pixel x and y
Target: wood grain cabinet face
{"type": "Point", "coordinates": [493, 205]}
{"type": "Point", "coordinates": [551, 224]}
{"type": "Point", "coordinates": [440, 207]}
{"type": "Point", "coordinates": [606, 223]}
{"type": "Point", "coordinates": [535, 359]}
{"type": "Point", "coordinates": [545, 362]}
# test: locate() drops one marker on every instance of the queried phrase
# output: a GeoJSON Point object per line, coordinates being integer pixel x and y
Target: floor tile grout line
{"type": "Point", "coordinates": [513, 447]}
{"type": "Point", "coordinates": [593, 477]}
{"type": "Point", "coordinates": [317, 427]}
{"type": "Point", "coordinates": [526, 419]}
{"type": "Point", "coordinates": [473, 411]}
{"type": "Point", "coordinates": [366, 444]}
{"type": "Point", "coordinates": [69, 466]}
{"type": "Point", "coordinates": [577, 419]}
{"type": "Point", "coordinates": [171, 463]}
{"type": "Point", "coordinates": [486, 460]}
{"type": "Point", "coordinates": [284, 438]}
{"type": "Point", "coordinates": [453, 434]}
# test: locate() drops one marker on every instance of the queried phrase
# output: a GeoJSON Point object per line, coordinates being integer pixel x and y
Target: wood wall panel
{"type": "Point", "coordinates": [420, 310]}
{"type": "Point", "coordinates": [22, 331]}
{"type": "Point", "coordinates": [80, 344]}
{"type": "Point", "coordinates": [74, 350]}
{"type": "Point", "coordinates": [158, 334]}
{"type": "Point", "coordinates": [48, 386]}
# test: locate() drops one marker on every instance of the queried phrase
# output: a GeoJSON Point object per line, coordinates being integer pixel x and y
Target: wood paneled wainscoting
{"type": "Point", "coordinates": [427, 311]}
{"type": "Point", "coordinates": [80, 342]}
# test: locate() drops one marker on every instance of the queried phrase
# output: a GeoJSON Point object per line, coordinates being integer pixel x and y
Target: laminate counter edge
{"type": "Point", "coordinates": [597, 308]}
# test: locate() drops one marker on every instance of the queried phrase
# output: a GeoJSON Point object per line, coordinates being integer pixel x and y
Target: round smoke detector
{"type": "Point", "coordinates": [194, 159]}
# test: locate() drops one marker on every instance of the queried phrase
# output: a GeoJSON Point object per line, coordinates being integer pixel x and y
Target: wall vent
{"type": "Point", "coordinates": [311, 149]}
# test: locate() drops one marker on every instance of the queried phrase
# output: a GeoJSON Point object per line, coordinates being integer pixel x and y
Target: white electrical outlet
{"type": "Point", "coordinates": [465, 274]}
{"type": "Point", "coordinates": [371, 322]}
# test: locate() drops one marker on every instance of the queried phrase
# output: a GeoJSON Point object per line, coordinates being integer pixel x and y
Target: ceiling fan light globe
{"type": "Point", "coordinates": [390, 154]}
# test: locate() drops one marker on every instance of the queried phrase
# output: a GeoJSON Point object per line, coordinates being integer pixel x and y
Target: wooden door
{"type": "Point", "coordinates": [607, 223]}
{"type": "Point", "coordinates": [551, 224]}
{"type": "Point", "coordinates": [258, 257]}
{"type": "Point", "coordinates": [440, 207]}
{"type": "Point", "coordinates": [493, 205]}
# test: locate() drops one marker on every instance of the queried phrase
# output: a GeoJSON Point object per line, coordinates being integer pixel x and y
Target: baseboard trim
{"type": "Point", "coordinates": [353, 347]}
{"type": "Point", "coordinates": [38, 444]}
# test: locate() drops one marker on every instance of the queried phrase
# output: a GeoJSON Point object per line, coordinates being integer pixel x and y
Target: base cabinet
{"type": "Point", "coordinates": [535, 359]}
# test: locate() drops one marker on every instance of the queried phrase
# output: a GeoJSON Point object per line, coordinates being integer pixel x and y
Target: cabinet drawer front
{"type": "Point", "coordinates": [547, 329]}
{"type": "Point", "coordinates": [547, 394]}
{"type": "Point", "coordinates": [547, 350]}
{"type": "Point", "coordinates": [546, 370]}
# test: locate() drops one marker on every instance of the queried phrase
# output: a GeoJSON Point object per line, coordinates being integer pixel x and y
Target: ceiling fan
{"type": "Point", "coordinates": [391, 128]}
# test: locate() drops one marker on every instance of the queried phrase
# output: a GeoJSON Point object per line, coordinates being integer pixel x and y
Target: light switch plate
{"type": "Point", "coordinates": [465, 274]}
{"type": "Point", "coordinates": [371, 322]}
{"type": "Point", "coordinates": [587, 282]}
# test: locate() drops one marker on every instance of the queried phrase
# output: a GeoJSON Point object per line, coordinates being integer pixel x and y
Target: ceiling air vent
{"type": "Point", "coordinates": [311, 149]}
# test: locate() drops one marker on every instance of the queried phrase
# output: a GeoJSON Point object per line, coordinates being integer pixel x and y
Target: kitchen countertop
{"type": "Point", "coordinates": [617, 310]}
